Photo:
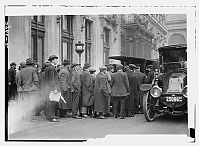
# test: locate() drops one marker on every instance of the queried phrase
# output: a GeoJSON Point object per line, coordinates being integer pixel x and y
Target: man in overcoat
{"type": "Point", "coordinates": [150, 74]}
{"type": "Point", "coordinates": [93, 76]}
{"type": "Point", "coordinates": [134, 87]}
{"type": "Point", "coordinates": [52, 84]}
{"type": "Point", "coordinates": [109, 72]}
{"type": "Point", "coordinates": [86, 83]}
{"type": "Point", "coordinates": [12, 81]}
{"type": "Point", "coordinates": [76, 89]}
{"type": "Point", "coordinates": [65, 86]}
{"type": "Point", "coordinates": [120, 90]}
{"type": "Point", "coordinates": [29, 81]}
{"type": "Point", "coordinates": [101, 93]}
{"type": "Point", "coordinates": [19, 88]}
{"type": "Point", "coordinates": [141, 80]}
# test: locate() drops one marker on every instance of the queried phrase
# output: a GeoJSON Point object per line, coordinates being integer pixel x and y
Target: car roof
{"type": "Point", "coordinates": [179, 46]}
{"type": "Point", "coordinates": [136, 59]}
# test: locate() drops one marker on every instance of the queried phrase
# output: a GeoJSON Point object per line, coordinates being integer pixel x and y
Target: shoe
{"type": "Point", "coordinates": [56, 117]}
{"type": "Point", "coordinates": [122, 117]}
{"type": "Point", "coordinates": [77, 117]}
{"type": "Point", "coordinates": [85, 116]}
{"type": "Point", "coordinates": [54, 120]}
{"type": "Point", "coordinates": [101, 117]}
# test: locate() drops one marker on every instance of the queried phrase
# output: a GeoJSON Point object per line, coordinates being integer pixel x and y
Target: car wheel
{"type": "Point", "coordinates": [148, 106]}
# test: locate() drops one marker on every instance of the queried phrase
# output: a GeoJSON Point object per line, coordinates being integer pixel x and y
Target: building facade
{"type": "Point", "coordinates": [103, 35]}
{"type": "Point", "coordinates": [176, 25]}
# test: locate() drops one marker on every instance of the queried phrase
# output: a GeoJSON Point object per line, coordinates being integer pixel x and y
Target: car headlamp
{"type": "Point", "coordinates": [185, 92]}
{"type": "Point", "coordinates": [156, 91]}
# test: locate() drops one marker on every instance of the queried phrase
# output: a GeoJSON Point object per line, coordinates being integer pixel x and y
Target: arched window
{"type": "Point", "coordinates": [176, 39]}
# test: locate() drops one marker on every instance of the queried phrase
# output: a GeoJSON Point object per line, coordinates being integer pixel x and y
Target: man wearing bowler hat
{"type": "Point", "coordinates": [12, 81]}
{"type": "Point", "coordinates": [86, 83]}
{"type": "Point", "coordinates": [65, 86]}
{"type": "Point", "coordinates": [76, 90]}
{"type": "Point", "coordinates": [29, 82]}
{"type": "Point", "coordinates": [51, 80]}
{"type": "Point", "coordinates": [120, 90]}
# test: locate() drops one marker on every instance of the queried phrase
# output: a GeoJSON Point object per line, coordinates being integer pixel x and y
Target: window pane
{"type": "Point", "coordinates": [40, 50]}
{"type": "Point", "coordinates": [65, 22]}
{"type": "Point", "coordinates": [65, 50]}
{"type": "Point", "coordinates": [34, 47]}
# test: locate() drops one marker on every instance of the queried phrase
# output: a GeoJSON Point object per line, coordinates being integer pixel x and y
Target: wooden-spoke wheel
{"type": "Point", "coordinates": [148, 106]}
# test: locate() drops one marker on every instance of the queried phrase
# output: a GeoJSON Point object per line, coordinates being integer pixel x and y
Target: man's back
{"type": "Point", "coordinates": [29, 78]}
{"type": "Point", "coordinates": [119, 84]}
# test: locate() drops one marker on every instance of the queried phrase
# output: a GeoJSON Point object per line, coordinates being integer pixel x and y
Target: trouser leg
{"type": "Point", "coordinates": [84, 110]}
{"type": "Point", "coordinates": [75, 102]}
{"type": "Point", "coordinates": [115, 105]}
{"type": "Point", "coordinates": [122, 106]}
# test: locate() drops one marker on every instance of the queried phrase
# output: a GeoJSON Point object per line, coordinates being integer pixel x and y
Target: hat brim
{"type": "Point", "coordinates": [52, 58]}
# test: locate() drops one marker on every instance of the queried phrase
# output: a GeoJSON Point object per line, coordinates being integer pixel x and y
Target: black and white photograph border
{"type": "Point", "coordinates": [192, 13]}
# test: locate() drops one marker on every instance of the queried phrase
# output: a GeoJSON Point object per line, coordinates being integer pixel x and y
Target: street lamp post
{"type": "Point", "coordinates": [79, 49]}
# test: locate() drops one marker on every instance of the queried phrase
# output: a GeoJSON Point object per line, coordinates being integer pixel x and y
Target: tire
{"type": "Point", "coordinates": [148, 107]}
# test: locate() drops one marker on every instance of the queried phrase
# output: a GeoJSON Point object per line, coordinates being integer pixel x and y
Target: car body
{"type": "Point", "coordinates": [142, 63]}
{"type": "Point", "coordinates": [168, 91]}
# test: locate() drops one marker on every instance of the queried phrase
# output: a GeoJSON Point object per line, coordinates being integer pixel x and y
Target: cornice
{"type": "Point", "coordinates": [155, 23]}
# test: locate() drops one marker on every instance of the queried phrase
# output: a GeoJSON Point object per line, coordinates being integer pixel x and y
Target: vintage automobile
{"type": "Point", "coordinates": [141, 62]}
{"type": "Point", "coordinates": [168, 91]}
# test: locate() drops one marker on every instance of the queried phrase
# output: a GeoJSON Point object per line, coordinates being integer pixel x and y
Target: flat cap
{"type": "Point", "coordinates": [86, 65]}
{"type": "Point", "coordinates": [66, 62]}
{"type": "Point", "coordinates": [13, 63]}
{"type": "Point", "coordinates": [74, 64]}
{"type": "Point", "coordinates": [119, 66]}
{"type": "Point", "coordinates": [103, 67]}
{"type": "Point", "coordinates": [52, 57]}
{"type": "Point", "coordinates": [29, 61]}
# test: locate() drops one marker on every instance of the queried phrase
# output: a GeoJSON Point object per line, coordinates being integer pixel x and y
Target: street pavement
{"type": "Point", "coordinates": [91, 128]}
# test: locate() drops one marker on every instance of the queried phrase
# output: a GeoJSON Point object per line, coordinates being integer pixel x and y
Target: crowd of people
{"type": "Point", "coordinates": [83, 92]}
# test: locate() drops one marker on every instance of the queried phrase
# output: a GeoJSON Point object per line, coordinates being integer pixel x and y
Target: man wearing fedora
{"type": "Point", "coordinates": [29, 82]}
{"type": "Point", "coordinates": [52, 84]}
{"type": "Point", "coordinates": [101, 93]}
{"type": "Point", "coordinates": [12, 81]}
{"type": "Point", "coordinates": [86, 83]}
{"type": "Point", "coordinates": [120, 90]}
{"type": "Point", "coordinates": [65, 87]}
{"type": "Point", "coordinates": [76, 90]}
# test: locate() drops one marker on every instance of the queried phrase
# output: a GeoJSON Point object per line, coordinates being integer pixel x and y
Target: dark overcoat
{"type": "Point", "coordinates": [150, 77]}
{"type": "Point", "coordinates": [65, 86]}
{"type": "Point", "coordinates": [28, 79]}
{"type": "Point", "coordinates": [75, 81]}
{"type": "Point", "coordinates": [12, 81]}
{"type": "Point", "coordinates": [141, 80]}
{"type": "Point", "coordinates": [51, 78]}
{"type": "Point", "coordinates": [134, 87]}
{"type": "Point", "coordinates": [86, 82]}
{"type": "Point", "coordinates": [119, 84]}
{"type": "Point", "coordinates": [52, 83]}
{"type": "Point", "coordinates": [101, 93]}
